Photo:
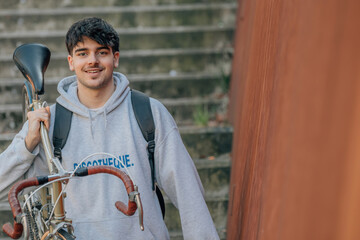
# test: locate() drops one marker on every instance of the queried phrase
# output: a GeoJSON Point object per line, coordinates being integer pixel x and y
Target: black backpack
{"type": "Point", "coordinates": [143, 114]}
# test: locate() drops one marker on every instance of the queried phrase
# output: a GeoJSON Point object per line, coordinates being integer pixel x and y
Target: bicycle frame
{"type": "Point", "coordinates": [32, 60]}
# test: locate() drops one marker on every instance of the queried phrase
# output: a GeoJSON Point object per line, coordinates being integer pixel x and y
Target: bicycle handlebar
{"type": "Point", "coordinates": [133, 203]}
{"type": "Point", "coordinates": [16, 231]}
{"type": "Point", "coordinates": [127, 210]}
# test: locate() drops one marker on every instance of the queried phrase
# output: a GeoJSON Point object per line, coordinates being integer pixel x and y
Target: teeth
{"type": "Point", "coordinates": [92, 71]}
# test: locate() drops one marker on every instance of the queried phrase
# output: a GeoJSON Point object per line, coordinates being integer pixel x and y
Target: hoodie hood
{"type": "Point", "coordinates": [68, 98]}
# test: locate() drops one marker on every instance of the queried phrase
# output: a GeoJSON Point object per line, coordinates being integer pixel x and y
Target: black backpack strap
{"type": "Point", "coordinates": [161, 200]}
{"type": "Point", "coordinates": [61, 128]}
{"type": "Point", "coordinates": [143, 114]}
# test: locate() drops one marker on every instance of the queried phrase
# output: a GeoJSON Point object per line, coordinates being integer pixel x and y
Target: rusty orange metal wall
{"type": "Point", "coordinates": [295, 104]}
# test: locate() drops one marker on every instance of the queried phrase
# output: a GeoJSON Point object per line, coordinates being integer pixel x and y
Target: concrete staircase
{"type": "Point", "coordinates": [178, 51]}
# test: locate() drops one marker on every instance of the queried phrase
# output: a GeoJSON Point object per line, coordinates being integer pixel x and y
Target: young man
{"type": "Point", "coordinates": [103, 121]}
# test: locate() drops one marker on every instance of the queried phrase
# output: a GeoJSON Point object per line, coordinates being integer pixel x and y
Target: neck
{"type": "Point", "coordinates": [95, 98]}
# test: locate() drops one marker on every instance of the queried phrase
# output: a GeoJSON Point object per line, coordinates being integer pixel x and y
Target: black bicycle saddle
{"type": "Point", "coordinates": [32, 60]}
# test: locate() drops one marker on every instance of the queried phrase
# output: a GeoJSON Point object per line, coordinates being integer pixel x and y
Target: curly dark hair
{"type": "Point", "coordinates": [94, 28]}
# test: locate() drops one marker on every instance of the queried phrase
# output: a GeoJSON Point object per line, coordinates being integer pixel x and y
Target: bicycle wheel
{"type": "Point", "coordinates": [27, 99]}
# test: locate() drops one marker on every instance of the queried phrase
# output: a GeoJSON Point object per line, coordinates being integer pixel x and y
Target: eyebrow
{"type": "Point", "coordinates": [84, 49]}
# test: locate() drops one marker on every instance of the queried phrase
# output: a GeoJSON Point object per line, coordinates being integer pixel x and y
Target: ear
{"type": "Point", "coordinates": [70, 61]}
{"type": "Point", "coordinates": [116, 59]}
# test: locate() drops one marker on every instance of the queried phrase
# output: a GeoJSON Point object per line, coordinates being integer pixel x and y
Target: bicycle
{"type": "Point", "coordinates": [42, 215]}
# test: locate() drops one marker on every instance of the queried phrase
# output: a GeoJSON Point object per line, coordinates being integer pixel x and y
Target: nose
{"type": "Point", "coordinates": [93, 59]}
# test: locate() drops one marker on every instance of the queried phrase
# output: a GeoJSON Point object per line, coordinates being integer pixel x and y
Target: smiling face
{"type": "Point", "coordinates": [93, 65]}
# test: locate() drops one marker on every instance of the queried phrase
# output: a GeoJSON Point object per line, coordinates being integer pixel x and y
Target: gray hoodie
{"type": "Point", "coordinates": [113, 129]}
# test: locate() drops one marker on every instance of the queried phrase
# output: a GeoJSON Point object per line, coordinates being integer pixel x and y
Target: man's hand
{"type": "Point", "coordinates": [33, 136]}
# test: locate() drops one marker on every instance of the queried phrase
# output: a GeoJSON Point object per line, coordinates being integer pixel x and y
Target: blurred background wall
{"type": "Point", "coordinates": [295, 106]}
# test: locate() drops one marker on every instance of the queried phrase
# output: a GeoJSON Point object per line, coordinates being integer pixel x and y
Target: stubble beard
{"type": "Point", "coordinates": [99, 85]}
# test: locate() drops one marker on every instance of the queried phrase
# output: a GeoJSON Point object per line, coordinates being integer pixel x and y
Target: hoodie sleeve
{"type": "Point", "coordinates": [15, 161]}
{"type": "Point", "coordinates": [178, 177]}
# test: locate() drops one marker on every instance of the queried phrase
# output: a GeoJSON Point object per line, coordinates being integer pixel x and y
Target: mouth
{"type": "Point", "coordinates": [93, 71]}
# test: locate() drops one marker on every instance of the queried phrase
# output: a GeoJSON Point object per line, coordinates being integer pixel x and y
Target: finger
{"type": "Point", "coordinates": [37, 112]}
{"type": "Point", "coordinates": [45, 118]}
{"type": "Point", "coordinates": [45, 110]}
{"type": "Point", "coordinates": [39, 116]}
{"type": "Point", "coordinates": [48, 110]}
{"type": "Point", "coordinates": [47, 123]}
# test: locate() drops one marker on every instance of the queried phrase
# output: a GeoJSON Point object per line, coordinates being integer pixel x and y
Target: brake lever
{"type": "Point", "coordinates": [136, 198]}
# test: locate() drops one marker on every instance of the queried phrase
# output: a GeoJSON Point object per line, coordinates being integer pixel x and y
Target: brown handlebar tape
{"type": "Point", "coordinates": [16, 231]}
{"type": "Point", "coordinates": [130, 209]}
{"type": "Point", "coordinates": [13, 232]}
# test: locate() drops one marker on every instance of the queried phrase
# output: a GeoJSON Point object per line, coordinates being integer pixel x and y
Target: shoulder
{"type": "Point", "coordinates": [157, 105]}
{"type": "Point", "coordinates": [161, 113]}
{"type": "Point", "coordinates": [157, 108]}
{"type": "Point", "coordinates": [164, 122]}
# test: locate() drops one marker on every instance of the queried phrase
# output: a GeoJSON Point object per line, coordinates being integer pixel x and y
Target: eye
{"type": "Point", "coordinates": [103, 53]}
{"type": "Point", "coordinates": [81, 54]}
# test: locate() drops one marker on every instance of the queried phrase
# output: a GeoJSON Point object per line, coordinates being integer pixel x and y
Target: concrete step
{"type": "Point", "coordinates": [41, 4]}
{"type": "Point", "coordinates": [215, 175]}
{"type": "Point", "coordinates": [160, 86]}
{"type": "Point", "coordinates": [140, 62]}
{"type": "Point", "coordinates": [218, 37]}
{"type": "Point", "coordinates": [201, 142]}
{"type": "Point", "coordinates": [130, 16]}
